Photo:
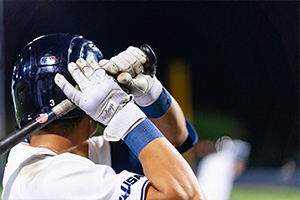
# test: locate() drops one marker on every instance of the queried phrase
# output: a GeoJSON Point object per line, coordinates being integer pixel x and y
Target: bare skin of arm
{"type": "Point", "coordinates": [170, 175]}
{"type": "Point", "coordinates": [172, 124]}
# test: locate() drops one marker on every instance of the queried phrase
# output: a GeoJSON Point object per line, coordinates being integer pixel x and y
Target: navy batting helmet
{"type": "Point", "coordinates": [33, 88]}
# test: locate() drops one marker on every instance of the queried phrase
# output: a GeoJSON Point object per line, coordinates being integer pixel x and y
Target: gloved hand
{"type": "Point", "coordinates": [129, 65]}
{"type": "Point", "coordinates": [131, 60]}
{"type": "Point", "coordinates": [101, 98]}
{"type": "Point", "coordinates": [146, 89]}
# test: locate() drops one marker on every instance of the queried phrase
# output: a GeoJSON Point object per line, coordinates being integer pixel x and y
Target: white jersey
{"type": "Point", "coordinates": [38, 173]}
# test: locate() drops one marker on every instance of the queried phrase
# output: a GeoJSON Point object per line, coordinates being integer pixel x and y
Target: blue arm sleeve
{"type": "Point", "coordinates": [192, 138]}
{"type": "Point", "coordinates": [124, 159]}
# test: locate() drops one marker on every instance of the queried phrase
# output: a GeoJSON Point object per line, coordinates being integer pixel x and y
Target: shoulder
{"type": "Point", "coordinates": [69, 176]}
{"type": "Point", "coordinates": [98, 142]}
{"type": "Point", "coordinates": [77, 174]}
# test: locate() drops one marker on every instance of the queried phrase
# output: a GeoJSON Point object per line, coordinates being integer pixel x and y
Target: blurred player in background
{"type": "Point", "coordinates": [222, 162]}
{"type": "Point", "coordinates": [63, 161]}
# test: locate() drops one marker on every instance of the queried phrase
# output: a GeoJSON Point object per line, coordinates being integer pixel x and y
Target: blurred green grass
{"type": "Point", "coordinates": [257, 192]}
{"type": "Point", "coordinates": [242, 192]}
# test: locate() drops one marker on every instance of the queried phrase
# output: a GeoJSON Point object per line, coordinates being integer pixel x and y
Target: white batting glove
{"type": "Point", "coordinates": [129, 63]}
{"type": "Point", "coordinates": [101, 98]}
{"type": "Point", "coordinates": [131, 60]}
{"type": "Point", "coordinates": [145, 89]}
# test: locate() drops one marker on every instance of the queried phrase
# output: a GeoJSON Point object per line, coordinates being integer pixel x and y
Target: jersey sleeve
{"type": "Point", "coordinates": [99, 150]}
{"type": "Point", "coordinates": [81, 180]}
{"type": "Point", "coordinates": [122, 158]}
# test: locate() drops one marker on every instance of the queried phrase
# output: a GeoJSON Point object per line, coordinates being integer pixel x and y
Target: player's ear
{"type": "Point", "coordinates": [93, 127]}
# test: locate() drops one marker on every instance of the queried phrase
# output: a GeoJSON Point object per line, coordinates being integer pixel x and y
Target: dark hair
{"type": "Point", "coordinates": [65, 125]}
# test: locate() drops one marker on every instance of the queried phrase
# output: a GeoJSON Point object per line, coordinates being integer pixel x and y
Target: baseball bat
{"type": "Point", "coordinates": [60, 110]}
{"type": "Point", "coordinates": [151, 63]}
{"type": "Point", "coordinates": [43, 120]}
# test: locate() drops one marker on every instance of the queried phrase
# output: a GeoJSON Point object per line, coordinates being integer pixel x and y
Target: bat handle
{"type": "Point", "coordinates": [151, 64]}
{"type": "Point", "coordinates": [63, 108]}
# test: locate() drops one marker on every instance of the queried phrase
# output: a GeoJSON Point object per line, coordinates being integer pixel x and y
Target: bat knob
{"type": "Point", "coordinates": [150, 65]}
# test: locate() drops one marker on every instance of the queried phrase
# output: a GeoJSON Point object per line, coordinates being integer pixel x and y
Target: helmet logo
{"type": "Point", "coordinates": [50, 60]}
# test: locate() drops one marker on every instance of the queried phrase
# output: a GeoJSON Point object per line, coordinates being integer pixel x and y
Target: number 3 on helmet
{"type": "Point", "coordinates": [33, 88]}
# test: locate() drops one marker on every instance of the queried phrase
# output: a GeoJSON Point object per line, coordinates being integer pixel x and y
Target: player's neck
{"type": "Point", "coordinates": [75, 142]}
{"type": "Point", "coordinates": [60, 144]}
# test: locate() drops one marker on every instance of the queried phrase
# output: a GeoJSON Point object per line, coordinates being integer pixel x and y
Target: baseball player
{"type": "Point", "coordinates": [217, 182]}
{"type": "Point", "coordinates": [63, 160]}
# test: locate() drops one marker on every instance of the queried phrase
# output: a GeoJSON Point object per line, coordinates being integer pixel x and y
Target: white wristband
{"type": "Point", "coordinates": [123, 122]}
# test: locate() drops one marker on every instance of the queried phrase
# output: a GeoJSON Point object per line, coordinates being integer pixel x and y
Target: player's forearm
{"type": "Point", "coordinates": [172, 124]}
{"type": "Point", "coordinates": [170, 175]}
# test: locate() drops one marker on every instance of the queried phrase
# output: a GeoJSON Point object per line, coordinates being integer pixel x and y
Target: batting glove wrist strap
{"type": "Point", "coordinates": [141, 135]}
{"type": "Point", "coordinates": [160, 106]}
{"type": "Point", "coordinates": [123, 122]}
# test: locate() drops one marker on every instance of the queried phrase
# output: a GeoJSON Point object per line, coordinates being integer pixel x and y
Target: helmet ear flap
{"type": "Point", "coordinates": [45, 94]}
{"type": "Point", "coordinates": [20, 91]}
{"type": "Point", "coordinates": [22, 96]}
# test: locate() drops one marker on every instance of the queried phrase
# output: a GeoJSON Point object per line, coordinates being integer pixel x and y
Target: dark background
{"type": "Point", "coordinates": [244, 56]}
